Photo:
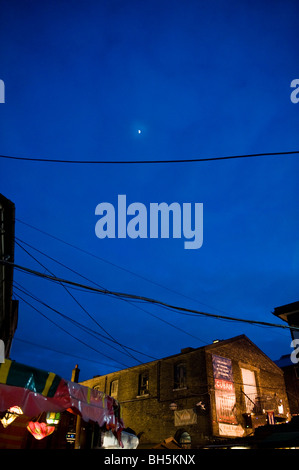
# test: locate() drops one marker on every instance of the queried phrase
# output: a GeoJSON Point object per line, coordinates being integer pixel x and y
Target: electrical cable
{"type": "Point", "coordinates": [67, 332]}
{"type": "Point", "coordinates": [79, 325]}
{"type": "Point", "coordinates": [145, 299]}
{"type": "Point", "coordinates": [129, 162]}
{"type": "Point", "coordinates": [81, 306]}
{"type": "Point", "coordinates": [64, 353]}
{"type": "Point", "coordinates": [95, 283]}
{"type": "Point", "coordinates": [115, 265]}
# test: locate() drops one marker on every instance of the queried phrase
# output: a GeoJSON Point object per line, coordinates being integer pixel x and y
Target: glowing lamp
{"type": "Point", "coordinates": [40, 430]}
{"type": "Point", "coordinates": [10, 415]}
{"type": "Point", "coordinates": [53, 418]}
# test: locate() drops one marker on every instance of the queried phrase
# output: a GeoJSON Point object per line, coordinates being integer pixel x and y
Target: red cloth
{"type": "Point", "coordinates": [90, 404]}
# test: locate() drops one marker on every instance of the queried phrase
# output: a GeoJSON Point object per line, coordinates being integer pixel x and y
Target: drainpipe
{"type": "Point", "coordinates": [2, 257]}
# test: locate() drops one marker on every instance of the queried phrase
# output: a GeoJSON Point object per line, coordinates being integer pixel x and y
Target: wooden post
{"type": "Point", "coordinates": [75, 378]}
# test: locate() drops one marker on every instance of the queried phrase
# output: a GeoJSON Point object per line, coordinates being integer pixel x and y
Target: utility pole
{"type": "Point", "coordinates": [75, 378]}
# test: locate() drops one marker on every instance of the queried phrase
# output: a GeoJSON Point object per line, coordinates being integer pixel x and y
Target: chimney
{"type": "Point", "coordinates": [186, 350]}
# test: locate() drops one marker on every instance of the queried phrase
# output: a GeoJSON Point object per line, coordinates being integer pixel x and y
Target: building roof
{"type": "Point", "coordinates": [208, 347]}
{"type": "Point", "coordinates": [284, 361]}
{"type": "Point", "coordinates": [285, 310]}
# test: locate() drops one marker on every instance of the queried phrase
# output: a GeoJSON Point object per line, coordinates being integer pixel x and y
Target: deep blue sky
{"type": "Point", "coordinates": [200, 79]}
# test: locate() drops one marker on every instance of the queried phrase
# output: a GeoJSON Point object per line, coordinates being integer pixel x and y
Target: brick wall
{"type": "Point", "coordinates": [150, 416]}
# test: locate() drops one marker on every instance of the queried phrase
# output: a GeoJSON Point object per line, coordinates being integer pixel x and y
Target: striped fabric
{"type": "Point", "coordinates": [30, 378]}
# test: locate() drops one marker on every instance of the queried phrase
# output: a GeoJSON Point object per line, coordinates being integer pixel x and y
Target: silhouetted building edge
{"type": "Point", "coordinates": [8, 306]}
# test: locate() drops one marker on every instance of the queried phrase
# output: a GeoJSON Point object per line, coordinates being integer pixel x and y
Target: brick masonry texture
{"type": "Point", "coordinates": [150, 415]}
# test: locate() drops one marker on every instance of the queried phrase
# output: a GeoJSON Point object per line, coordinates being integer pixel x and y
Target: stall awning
{"type": "Point", "coordinates": [36, 391]}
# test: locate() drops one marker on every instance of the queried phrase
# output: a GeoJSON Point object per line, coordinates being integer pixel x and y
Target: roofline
{"type": "Point", "coordinates": [283, 311]}
{"type": "Point", "coordinates": [237, 338]}
{"type": "Point", "coordinates": [207, 347]}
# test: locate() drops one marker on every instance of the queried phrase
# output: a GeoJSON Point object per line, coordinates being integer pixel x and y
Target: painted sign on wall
{"type": "Point", "coordinates": [225, 396]}
{"type": "Point", "coordinates": [184, 417]}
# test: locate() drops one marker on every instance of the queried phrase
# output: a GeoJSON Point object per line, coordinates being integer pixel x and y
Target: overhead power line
{"type": "Point", "coordinates": [136, 162]}
{"type": "Point", "coordinates": [64, 353]}
{"type": "Point", "coordinates": [124, 295]}
{"type": "Point", "coordinates": [79, 325]}
{"type": "Point", "coordinates": [78, 303]}
{"type": "Point", "coordinates": [82, 327]}
{"type": "Point", "coordinates": [68, 333]}
{"type": "Point", "coordinates": [146, 279]}
{"type": "Point", "coordinates": [98, 285]}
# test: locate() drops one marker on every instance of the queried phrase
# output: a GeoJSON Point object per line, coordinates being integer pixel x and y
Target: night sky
{"type": "Point", "coordinates": [200, 80]}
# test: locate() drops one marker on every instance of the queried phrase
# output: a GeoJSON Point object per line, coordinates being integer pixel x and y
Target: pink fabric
{"type": "Point", "coordinates": [91, 404]}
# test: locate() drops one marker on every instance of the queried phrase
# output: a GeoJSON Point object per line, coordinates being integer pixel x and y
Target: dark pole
{"type": "Point", "coordinates": [75, 378]}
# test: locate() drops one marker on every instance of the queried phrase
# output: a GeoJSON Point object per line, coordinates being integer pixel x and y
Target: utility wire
{"type": "Point", "coordinates": [114, 265]}
{"type": "Point", "coordinates": [67, 332]}
{"type": "Point", "coordinates": [95, 334]}
{"type": "Point", "coordinates": [95, 283]}
{"type": "Point", "coordinates": [64, 353]}
{"type": "Point", "coordinates": [178, 309]}
{"type": "Point", "coordinates": [124, 269]}
{"type": "Point", "coordinates": [126, 162]}
{"type": "Point", "coordinates": [76, 323]}
{"type": "Point", "coordinates": [81, 306]}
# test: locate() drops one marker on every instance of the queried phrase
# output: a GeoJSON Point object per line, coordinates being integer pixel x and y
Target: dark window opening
{"type": "Point", "coordinates": [143, 384]}
{"type": "Point", "coordinates": [180, 376]}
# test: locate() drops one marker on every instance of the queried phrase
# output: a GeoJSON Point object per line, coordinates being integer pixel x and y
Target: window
{"type": "Point", "coordinates": [249, 388]}
{"type": "Point", "coordinates": [143, 384]}
{"type": "Point", "coordinates": [114, 388]}
{"type": "Point", "coordinates": [180, 376]}
{"type": "Point", "coordinates": [280, 408]}
{"type": "Point", "coordinates": [185, 440]}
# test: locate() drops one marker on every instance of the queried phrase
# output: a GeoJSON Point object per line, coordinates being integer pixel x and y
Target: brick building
{"type": "Point", "coordinates": [199, 396]}
{"type": "Point", "coordinates": [290, 366]}
{"type": "Point", "coordinates": [291, 377]}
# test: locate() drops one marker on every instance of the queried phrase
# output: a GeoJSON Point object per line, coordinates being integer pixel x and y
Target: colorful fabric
{"type": "Point", "coordinates": [36, 391]}
{"type": "Point", "coordinates": [30, 378]}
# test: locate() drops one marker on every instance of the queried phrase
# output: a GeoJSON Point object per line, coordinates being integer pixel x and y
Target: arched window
{"type": "Point", "coordinates": [185, 440]}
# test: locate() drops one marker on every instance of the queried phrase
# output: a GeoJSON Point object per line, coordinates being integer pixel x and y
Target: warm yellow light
{"type": "Point", "coordinates": [11, 414]}
{"type": "Point", "coordinates": [53, 418]}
